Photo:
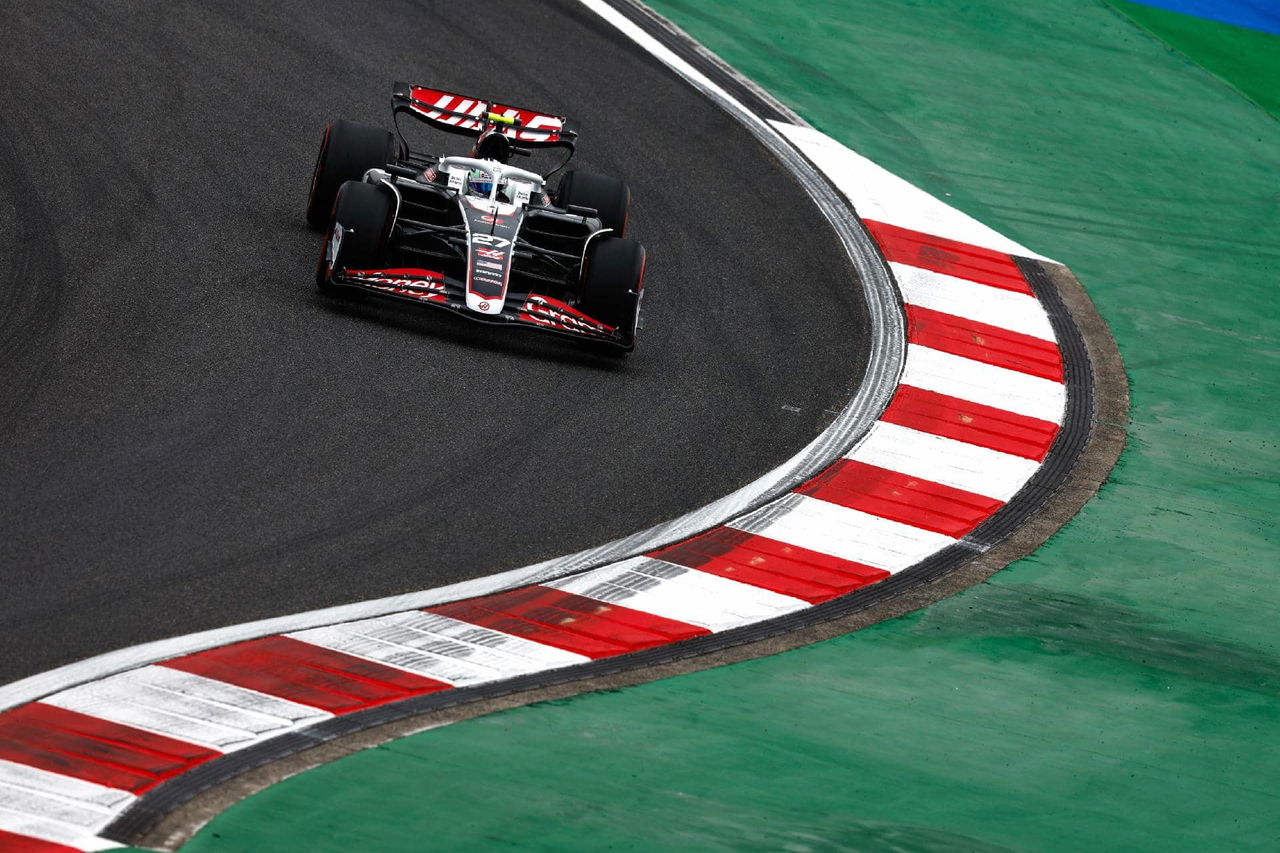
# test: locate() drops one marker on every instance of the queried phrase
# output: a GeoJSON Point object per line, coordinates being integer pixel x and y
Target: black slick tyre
{"type": "Point", "coordinates": [608, 196]}
{"type": "Point", "coordinates": [347, 150]}
{"type": "Point", "coordinates": [358, 239]}
{"type": "Point", "coordinates": [612, 280]}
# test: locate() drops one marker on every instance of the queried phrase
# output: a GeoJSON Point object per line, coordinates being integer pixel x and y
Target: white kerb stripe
{"type": "Point", "coordinates": [57, 808]}
{"type": "Point", "coordinates": [842, 532]}
{"type": "Point", "coordinates": [880, 195]}
{"type": "Point", "coordinates": [438, 647]}
{"type": "Point", "coordinates": [45, 830]}
{"type": "Point", "coordinates": [1017, 312]}
{"type": "Point", "coordinates": [944, 460]}
{"type": "Point", "coordinates": [51, 830]}
{"type": "Point", "coordinates": [188, 707]}
{"type": "Point", "coordinates": [673, 61]}
{"type": "Point", "coordinates": [998, 387]}
{"type": "Point", "coordinates": [675, 592]}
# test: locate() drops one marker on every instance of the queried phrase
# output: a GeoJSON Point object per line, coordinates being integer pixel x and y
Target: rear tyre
{"type": "Point", "coordinates": [612, 280]}
{"type": "Point", "coordinates": [347, 151]}
{"type": "Point", "coordinates": [608, 196]}
{"type": "Point", "coordinates": [363, 213]}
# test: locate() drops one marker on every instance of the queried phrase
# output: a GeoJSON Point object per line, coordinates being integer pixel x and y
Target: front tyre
{"type": "Point", "coordinates": [358, 237]}
{"type": "Point", "coordinates": [612, 281]}
{"type": "Point", "coordinates": [347, 151]}
{"type": "Point", "coordinates": [608, 196]}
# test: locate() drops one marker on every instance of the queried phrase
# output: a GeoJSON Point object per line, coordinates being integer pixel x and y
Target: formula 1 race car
{"type": "Point", "coordinates": [472, 233]}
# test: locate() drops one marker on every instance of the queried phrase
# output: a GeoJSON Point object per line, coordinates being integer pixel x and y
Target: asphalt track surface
{"type": "Point", "coordinates": [191, 437]}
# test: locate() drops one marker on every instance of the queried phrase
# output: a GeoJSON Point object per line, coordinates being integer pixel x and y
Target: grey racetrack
{"type": "Point", "coordinates": [191, 436]}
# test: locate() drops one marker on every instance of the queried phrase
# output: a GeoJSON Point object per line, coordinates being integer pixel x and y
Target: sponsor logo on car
{"type": "Point", "coordinates": [467, 112]}
{"type": "Point", "coordinates": [399, 281]}
{"type": "Point", "coordinates": [540, 310]}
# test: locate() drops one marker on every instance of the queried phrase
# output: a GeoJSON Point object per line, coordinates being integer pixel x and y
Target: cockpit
{"type": "Point", "coordinates": [482, 184]}
{"type": "Point", "coordinates": [490, 180]}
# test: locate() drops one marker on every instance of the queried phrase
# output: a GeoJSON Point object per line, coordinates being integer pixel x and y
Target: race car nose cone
{"type": "Point", "coordinates": [484, 305]}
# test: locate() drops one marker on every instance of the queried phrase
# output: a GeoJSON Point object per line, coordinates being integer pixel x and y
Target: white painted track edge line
{"type": "Point", "coordinates": [723, 67]}
{"type": "Point", "coordinates": [882, 196]}
{"type": "Point", "coordinates": [885, 361]}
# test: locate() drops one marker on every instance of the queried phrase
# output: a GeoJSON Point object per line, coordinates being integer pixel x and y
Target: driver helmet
{"type": "Point", "coordinates": [481, 181]}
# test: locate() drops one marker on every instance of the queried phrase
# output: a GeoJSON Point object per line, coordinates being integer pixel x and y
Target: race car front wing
{"type": "Point", "coordinates": [530, 310]}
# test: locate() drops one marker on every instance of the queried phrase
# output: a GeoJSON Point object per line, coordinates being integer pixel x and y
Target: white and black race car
{"type": "Point", "coordinates": [473, 233]}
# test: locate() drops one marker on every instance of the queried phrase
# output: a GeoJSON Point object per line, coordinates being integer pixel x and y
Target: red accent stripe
{"type": "Point", "coordinates": [11, 842]}
{"type": "Point", "coordinates": [900, 497]}
{"type": "Point", "coordinates": [307, 674]}
{"type": "Point", "coordinates": [949, 257]}
{"type": "Point", "coordinates": [93, 749]}
{"type": "Point", "coordinates": [568, 621]}
{"type": "Point", "coordinates": [981, 342]}
{"type": "Point", "coordinates": [973, 423]}
{"type": "Point", "coordinates": [770, 564]}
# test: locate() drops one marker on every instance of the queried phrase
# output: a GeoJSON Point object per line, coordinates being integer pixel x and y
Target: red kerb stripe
{"type": "Point", "coordinates": [310, 675]}
{"type": "Point", "coordinates": [11, 842]}
{"type": "Point", "coordinates": [770, 564]}
{"type": "Point", "coordinates": [973, 423]}
{"type": "Point", "coordinates": [568, 621]}
{"type": "Point", "coordinates": [93, 749]}
{"type": "Point", "coordinates": [981, 342]}
{"type": "Point", "coordinates": [900, 497]}
{"type": "Point", "coordinates": [950, 257]}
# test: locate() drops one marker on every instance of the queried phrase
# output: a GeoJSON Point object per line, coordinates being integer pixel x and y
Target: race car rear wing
{"type": "Point", "coordinates": [473, 116]}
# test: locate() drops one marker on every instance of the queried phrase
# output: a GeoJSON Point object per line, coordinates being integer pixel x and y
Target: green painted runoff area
{"type": "Point", "coordinates": [1118, 689]}
{"type": "Point", "coordinates": [1235, 54]}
